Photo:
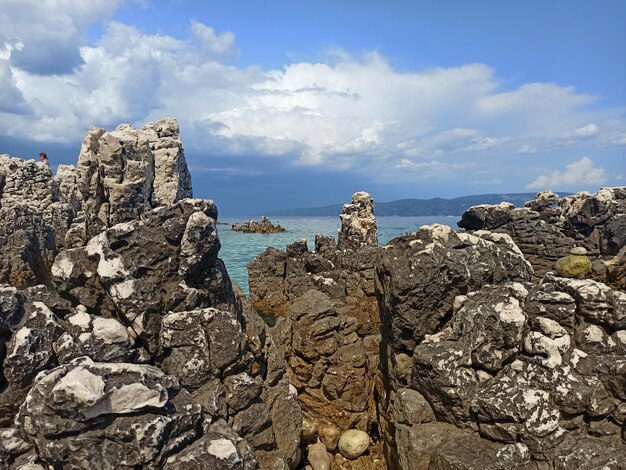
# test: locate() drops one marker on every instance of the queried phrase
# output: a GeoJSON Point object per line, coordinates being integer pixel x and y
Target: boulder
{"type": "Point", "coordinates": [86, 414]}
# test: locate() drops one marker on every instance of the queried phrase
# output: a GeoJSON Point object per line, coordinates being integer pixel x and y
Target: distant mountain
{"type": "Point", "coordinates": [416, 207]}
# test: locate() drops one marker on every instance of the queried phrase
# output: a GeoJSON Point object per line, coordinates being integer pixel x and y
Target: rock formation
{"type": "Point", "coordinates": [329, 326]}
{"type": "Point", "coordinates": [124, 343]}
{"type": "Point", "coordinates": [549, 227]}
{"type": "Point", "coordinates": [119, 175]}
{"type": "Point", "coordinates": [486, 358]}
{"type": "Point", "coordinates": [139, 352]}
{"type": "Point", "coordinates": [264, 225]}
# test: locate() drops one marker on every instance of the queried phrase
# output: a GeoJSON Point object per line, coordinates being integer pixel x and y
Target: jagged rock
{"type": "Point", "coordinates": [138, 271]}
{"type": "Point", "coordinates": [142, 284]}
{"type": "Point", "coordinates": [358, 225]}
{"type": "Point", "coordinates": [101, 339]}
{"type": "Point", "coordinates": [85, 414]}
{"type": "Point", "coordinates": [264, 225]}
{"type": "Point", "coordinates": [266, 280]}
{"type": "Point", "coordinates": [125, 172]}
{"type": "Point", "coordinates": [220, 448]}
{"type": "Point", "coordinates": [28, 352]}
{"type": "Point", "coordinates": [422, 273]}
{"type": "Point", "coordinates": [548, 228]}
{"type": "Point", "coordinates": [330, 336]}
{"type": "Point", "coordinates": [35, 219]}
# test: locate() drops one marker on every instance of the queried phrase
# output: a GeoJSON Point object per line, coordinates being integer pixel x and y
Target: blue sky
{"type": "Point", "coordinates": [290, 104]}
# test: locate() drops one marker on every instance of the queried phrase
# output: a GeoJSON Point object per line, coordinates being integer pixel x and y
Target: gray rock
{"type": "Point", "coordinates": [220, 448]}
{"type": "Point", "coordinates": [123, 415]}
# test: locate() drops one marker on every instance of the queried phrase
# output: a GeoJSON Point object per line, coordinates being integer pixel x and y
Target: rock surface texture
{"type": "Point", "coordinates": [138, 352]}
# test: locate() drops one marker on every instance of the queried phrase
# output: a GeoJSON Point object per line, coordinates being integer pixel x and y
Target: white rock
{"type": "Point", "coordinates": [84, 387]}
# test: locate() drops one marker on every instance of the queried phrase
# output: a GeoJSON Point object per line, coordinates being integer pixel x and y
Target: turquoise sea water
{"type": "Point", "coordinates": [238, 249]}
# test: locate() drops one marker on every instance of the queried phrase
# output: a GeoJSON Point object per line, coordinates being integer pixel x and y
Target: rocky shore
{"type": "Point", "coordinates": [124, 343]}
{"type": "Point", "coordinates": [263, 225]}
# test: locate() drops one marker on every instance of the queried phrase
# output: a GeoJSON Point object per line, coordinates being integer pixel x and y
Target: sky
{"type": "Point", "coordinates": [285, 104]}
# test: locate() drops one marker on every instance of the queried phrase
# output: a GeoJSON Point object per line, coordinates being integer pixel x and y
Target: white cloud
{"type": "Point", "coordinates": [432, 166]}
{"type": "Point", "coordinates": [526, 149]}
{"type": "Point", "coordinates": [350, 112]}
{"type": "Point", "coordinates": [582, 133]}
{"type": "Point", "coordinates": [219, 44]}
{"type": "Point", "coordinates": [576, 174]}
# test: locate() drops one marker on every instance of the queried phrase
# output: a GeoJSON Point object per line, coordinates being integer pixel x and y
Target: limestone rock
{"type": "Point", "coordinates": [125, 172]}
{"type": "Point", "coordinates": [358, 225]}
{"type": "Point", "coordinates": [219, 448]}
{"type": "Point", "coordinates": [93, 414]}
{"type": "Point", "coordinates": [548, 228]}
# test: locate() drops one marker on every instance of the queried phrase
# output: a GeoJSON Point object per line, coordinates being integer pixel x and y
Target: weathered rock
{"type": "Point", "coordinates": [525, 365]}
{"type": "Point", "coordinates": [267, 283]}
{"type": "Point", "coordinates": [35, 218]}
{"type": "Point", "coordinates": [358, 225]}
{"type": "Point", "coordinates": [85, 414]}
{"type": "Point", "coordinates": [125, 172]}
{"type": "Point", "coordinates": [548, 228]}
{"type": "Point", "coordinates": [331, 334]}
{"type": "Point", "coordinates": [142, 284]}
{"type": "Point", "coordinates": [138, 271]}
{"type": "Point", "coordinates": [264, 225]}
{"type": "Point", "coordinates": [220, 448]}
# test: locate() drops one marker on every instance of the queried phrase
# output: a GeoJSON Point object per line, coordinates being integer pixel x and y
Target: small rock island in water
{"type": "Point", "coordinates": [264, 225]}
{"type": "Point", "coordinates": [124, 343]}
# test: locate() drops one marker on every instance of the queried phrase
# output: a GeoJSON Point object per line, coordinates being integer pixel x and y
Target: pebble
{"type": "Point", "coordinates": [579, 251]}
{"type": "Point", "coordinates": [353, 443]}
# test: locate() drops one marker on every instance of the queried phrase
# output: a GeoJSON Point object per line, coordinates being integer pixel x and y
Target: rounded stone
{"type": "Point", "coordinates": [318, 458]}
{"type": "Point", "coordinates": [573, 266]}
{"type": "Point", "coordinates": [578, 250]}
{"type": "Point", "coordinates": [329, 435]}
{"type": "Point", "coordinates": [353, 443]}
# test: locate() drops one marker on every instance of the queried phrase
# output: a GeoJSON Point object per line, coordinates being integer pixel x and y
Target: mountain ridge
{"type": "Point", "coordinates": [410, 207]}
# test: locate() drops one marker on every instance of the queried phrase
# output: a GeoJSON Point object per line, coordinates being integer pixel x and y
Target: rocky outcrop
{"type": "Point", "coordinates": [140, 352]}
{"type": "Point", "coordinates": [35, 217]}
{"type": "Point", "coordinates": [549, 227]}
{"type": "Point", "coordinates": [125, 172]}
{"type": "Point", "coordinates": [264, 225]}
{"type": "Point", "coordinates": [485, 369]}
{"type": "Point", "coordinates": [120, 174]}
{"type": "Point", "coordinates": [330, 330]}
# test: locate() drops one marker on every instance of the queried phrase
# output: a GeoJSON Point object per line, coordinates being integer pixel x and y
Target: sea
{"type": "Point", "coordinates": [238, 249]}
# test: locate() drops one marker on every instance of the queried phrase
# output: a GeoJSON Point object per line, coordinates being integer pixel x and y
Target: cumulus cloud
{"type": "Point", "coordinates": [343, 112]}
{"type": "Point", "coordinates": [577, 174]}
{"type": "Point", "coordinates": [44, 37]}
{"type": "Point", "coordinates": [219, 44]}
